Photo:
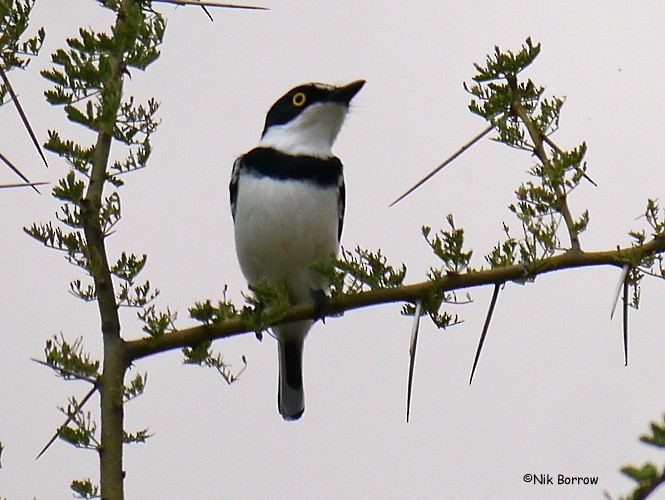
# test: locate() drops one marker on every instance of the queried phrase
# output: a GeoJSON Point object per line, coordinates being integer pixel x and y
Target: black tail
{"type": "Point", "coordinates": [290, 395]}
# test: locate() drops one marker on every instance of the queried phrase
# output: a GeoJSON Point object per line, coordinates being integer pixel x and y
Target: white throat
{"type": "Point", "coordinates": [311, 133]}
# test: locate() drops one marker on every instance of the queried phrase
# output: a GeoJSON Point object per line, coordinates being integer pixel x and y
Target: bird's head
{"type": "Point", "coordinates": [307, 119]}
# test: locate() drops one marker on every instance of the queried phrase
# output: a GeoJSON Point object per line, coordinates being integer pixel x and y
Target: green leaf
{"type": "Point", "coordinates": [657, 436]}
{"type": "Point", "coordinates": [82, 430]}
{"type": "Point", "coordinates": [503, 63]}
{"type": "Point", "coordinates": [646, 473]}
{"type": "Point", "coordinates": [207, 313]}
{"type": "Point", "coordinates": [15, 52]}
{"type": "Point", "coordinates": [136, 437]}
{"type": "Point", "coordinates": [366, 270]}
{"type": "Point", "coordinates": [504, 253]}
{"type": "Point", "coordinates": [70, 358]}
{"type": "Point", "coordinates": [135, 387]}
{"type": "Point", "coordinates": [155, 323]}
{"type": "Point", "coordinates": [448, 246]}
{"type": "Point", "coordinates": [202, 355]}
{"type": "Point", "coordinates": [85, 489]}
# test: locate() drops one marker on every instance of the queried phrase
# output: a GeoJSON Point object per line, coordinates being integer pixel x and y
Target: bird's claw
{"type": "Point", "coordinates": [320, 300]}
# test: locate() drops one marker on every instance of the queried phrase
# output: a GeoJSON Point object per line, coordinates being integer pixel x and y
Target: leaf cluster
{"type": "Point", "coordinates": [135, 388]}
{"type": "Point", "coordinates": [648, 476]}
{"type": "Point", "coordinates": [156, 323]}
{"type": "Point", "coordinates": [504, 253]}
{"type": "Point", "coordinates": [448, 246]}
{"type": "Point", "coordinates": [359, 270]}
{"type": "Point", "coordinates": [265, 305]}
{"type": "Point", "coordinates": [651, 265]}
{"type": "Point", "coordinates": [84, 84]}
{"type": "Point", "coordinates": [15, 52]}
{"type": "Point", "coordinates": [202, 355]}
{"type": "Point", "coordinates": [84, 488]}
{"type": "Point", "coordinates": [81, 429]}
{"type": "Point", "coordinates": [525, 120]}
{"type": "Point", "coordinates": [493, 99]}
{"type": "Point", "coordinates": [208, 314]}
{"type": "Point", "coordinates": [69, 360]}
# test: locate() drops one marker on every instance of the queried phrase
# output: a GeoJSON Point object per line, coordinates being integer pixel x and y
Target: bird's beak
{"type": "Point", "coordinates": [347, 92]}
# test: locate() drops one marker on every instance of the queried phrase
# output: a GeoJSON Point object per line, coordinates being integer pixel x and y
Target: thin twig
{"type": "Point", "coordinates": [70, 417]}
{"type": "Point", "coordinates": [412, 353]}
{"type": "Point", "coordinates": [22, 114]}
{"type": "Point", "coordinates": [6, 161]}
{"type": "Point", "coordinates": [486, 326]}
{"type": "Point", "coordinates": [562, 207]}
{"type": "Point", "coordinates": [212, 4]}
{"type": "Point", "coordinates": [450, 159]}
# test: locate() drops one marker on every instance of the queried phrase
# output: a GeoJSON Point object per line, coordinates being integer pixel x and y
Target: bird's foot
{"type": "Point", "coordinates": [320, 300]}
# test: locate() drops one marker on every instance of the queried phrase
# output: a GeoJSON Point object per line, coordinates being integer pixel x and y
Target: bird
{"type": "Point", "coordinates": [287, 202]}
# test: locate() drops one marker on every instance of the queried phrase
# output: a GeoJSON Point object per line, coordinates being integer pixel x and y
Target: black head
{"type": "Point", "coordinates": [296, 100]}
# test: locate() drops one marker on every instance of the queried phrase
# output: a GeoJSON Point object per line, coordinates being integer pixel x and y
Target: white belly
{"type": "Point", "coordinates": [281, 228]}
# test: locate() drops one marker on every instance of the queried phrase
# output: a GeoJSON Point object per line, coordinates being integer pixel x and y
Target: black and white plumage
{"type": "Point", "coordinates": [287, 202]}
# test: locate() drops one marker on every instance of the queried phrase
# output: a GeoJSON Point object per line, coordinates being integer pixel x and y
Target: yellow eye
{"type": "Point", "coordinates": [299, 99]}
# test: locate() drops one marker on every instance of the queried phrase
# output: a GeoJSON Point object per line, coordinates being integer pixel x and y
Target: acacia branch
{"type": "Point", "coordinates": [517, 108]}
{"type": "Point", "coordinates": [538, 140]}
{"type": "Point", "coordinates": [144, 347]}
{"type": "Point", "coordinates": [111, 386]}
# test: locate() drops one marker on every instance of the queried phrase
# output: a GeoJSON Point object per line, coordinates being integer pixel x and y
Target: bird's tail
{"type": "Point", "coordinates": [290, 394]}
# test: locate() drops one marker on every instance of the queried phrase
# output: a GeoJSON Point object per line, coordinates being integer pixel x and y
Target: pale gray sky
{"type": "Point", "coordinates": [551, 394]}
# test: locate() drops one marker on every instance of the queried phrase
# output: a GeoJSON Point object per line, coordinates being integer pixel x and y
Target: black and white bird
{"type": "Point", "coordinates": [287, 202]}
